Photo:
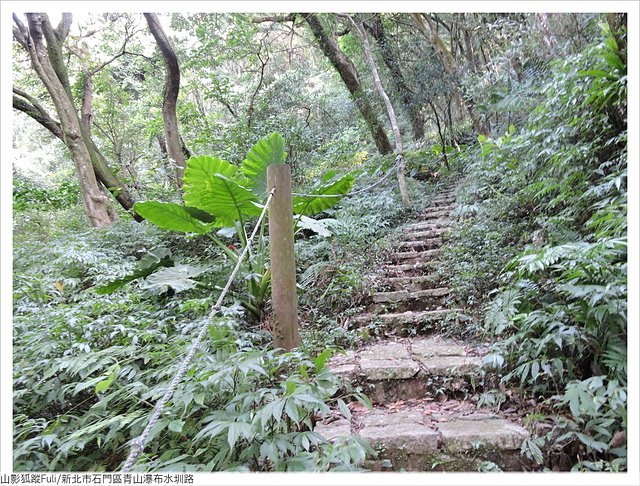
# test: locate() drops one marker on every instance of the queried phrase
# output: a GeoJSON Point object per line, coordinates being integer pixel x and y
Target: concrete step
{"type": "Point", "coordinates": [443, 199]}
{"type": "Point", "coordinates": [406, 368]}
{"type": "Point", "coordinates": [435, 214]}
{"type": "Point", "coordinates": [403, 295]}
{"type": "Point", "coordinates": [406, 283]}
{"type": "Point", "coordinates": [425, 234]}
{"type": "Point", "coordinates": [412, 255]}
{"type": "Point", "coordinates": [413, 322]}
{"type": "Point", "coordinates": [409, 267]}
{"type": "Point", "coordinates": [439, 207]}
{"type": "Point", "coordinates": [419, 244]}
{"type": "Point", "coordinates": [427, 225]}
{"type": "Point", "coordinates": [416, 437]}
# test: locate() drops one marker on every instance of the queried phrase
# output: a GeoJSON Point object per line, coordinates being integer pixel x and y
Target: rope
{"type": "Point", "coordinates": [360, 191]}
{"type": "Point", "coordinates": [138, 444]}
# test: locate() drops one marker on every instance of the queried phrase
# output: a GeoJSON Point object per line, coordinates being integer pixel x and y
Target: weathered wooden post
{"type": "Point", "coordinates": [283, 262]}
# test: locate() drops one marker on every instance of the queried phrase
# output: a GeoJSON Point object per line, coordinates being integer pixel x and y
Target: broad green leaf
{"type": "Point", "coordinates": [104, 384]}
{"type": "Point", "coordinates": [178, 277]}
{"type": "Point", "coordinates": [344, 410]}
{"type": "Point", "coordinates": [317, 201]}
{"type": "Point", "coordinates": [363, 399]}
{"type": "Point", "coordinates": [322, 359]}
{"type": "Point", "coordinates": [237, 429]}
{"type": "Point", "coordinates": [176, 425]}
{"type": "Point", "coordinates": [317, 226]}
{"type": "Point", "coordinates": [87, 384]}
{"type": "Point", "coordinates": [224, 198]}
{"type": "Point", "coordinates": [291, 410]}
{"type": "Point", "coordinates": [198, 171]}
{"type": "Point", "coordinates": [269, 150]}
{"type": "Point", "coordinates": [199, 214]}
{"type": "Point", "coordinates": [160, 257]}
{"type": "Point", "coordinates": [170, 216]}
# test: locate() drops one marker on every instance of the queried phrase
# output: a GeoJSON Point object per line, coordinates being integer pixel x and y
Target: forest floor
{"type": "Point", "coordinates": [422, 384]}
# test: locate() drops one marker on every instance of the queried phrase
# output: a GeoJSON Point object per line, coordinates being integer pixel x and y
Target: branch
{"type": "Point", "coordinates": [62, 31]}
{"type": "Point", "coordinates": [20, 32]}
{"type": "Point", "coordinates": [228, 106]}
{"type": "Point", "coordinates": [275, 18]}
{"type": "Point", "coordinates": [36, 111]}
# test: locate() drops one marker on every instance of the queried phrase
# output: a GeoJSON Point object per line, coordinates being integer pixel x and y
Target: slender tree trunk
{"type": "Point", "coordinates": [171, 90]}
{"type": "Point", "coordinates": [252, 100]}
{"type": "Point", "coordinates": [347, 71]}
{"type": "Point", "coordinates": [443, 142]}
{"type": "Point", "coordinates": [413, 109]}
{"type": "Point", "coordinates": [547, 36]}
{"type": "Point", "coordinates": [426, 25]}
{"type": "Point", "coordinates": [96, 203]}
{"type": "Point", "coordinates": [87, 101]}
{"type": "Point", "coordinates": [402, 181]}
{"type": "Point", "coordinates": [48, 64]}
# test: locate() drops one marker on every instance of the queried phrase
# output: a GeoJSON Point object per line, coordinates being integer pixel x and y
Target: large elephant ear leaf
{"type": "Point", "coordinates": [153, 259]}
{"type": "Point", "coordinates": [269, 150]}
{"type": "Point", "coordinates": [225, 199]}
{"type": "Point", "coordinates": [317, 200]}
{"type": "Point", "coordinates": [198, 174]}
{"type": "Point", "coordinates": [171, 216]}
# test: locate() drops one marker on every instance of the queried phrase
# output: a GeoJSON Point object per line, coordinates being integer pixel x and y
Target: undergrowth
{"type": "Point", "coordinates": [540, 256]}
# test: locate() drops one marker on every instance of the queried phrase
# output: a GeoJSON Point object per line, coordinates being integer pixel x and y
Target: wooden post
{"type": "Point", "coordinates": [283, 262]}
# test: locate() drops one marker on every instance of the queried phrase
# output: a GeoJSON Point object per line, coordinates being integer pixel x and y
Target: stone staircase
{"type": "Point", "coordinates": [421, 419]}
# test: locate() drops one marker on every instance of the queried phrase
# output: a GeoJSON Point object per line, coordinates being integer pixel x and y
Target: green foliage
{"type": "Point", "coordinates": [219, 194]}
{"type": "Point", "coordinates": [241, 407]}
{"type": "Point", "coordinates": [160, 257]}
{"type": "Point", "coordinates": [171, 216]}
{"type": "Point", "coordinates": [27, 195]}
{"type": "Point", "coordinates": [330, 184]}
{"type": "Point", "coordinates": [548, 206]}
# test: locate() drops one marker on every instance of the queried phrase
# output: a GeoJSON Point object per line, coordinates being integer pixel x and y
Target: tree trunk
{"type": "Point", "coordinates": [440, 134]}
{"type": "Point", "coordinates": [376, 29]}
{"type": "Point", "coordinates": [547, 36]}
{"type": "Point", "coordinates": [171, 90]}
{"type": "Point", "coordinates": [347, 71]}
{"type": "Point", "coordinates": [402, 181]}
{"type": "Point", "coordinates": [450, 65]}
{"type": "Point", "coordinates": [96, 203]}
{"type": "Point", "coordinates": [252, 100]}
{"type": "Point", "coordinates": [49, 66]}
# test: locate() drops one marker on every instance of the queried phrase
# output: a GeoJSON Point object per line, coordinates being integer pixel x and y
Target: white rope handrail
{"type": "Point", "coordinates": [138, 444]}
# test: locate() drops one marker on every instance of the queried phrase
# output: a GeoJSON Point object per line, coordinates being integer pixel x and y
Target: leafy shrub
{"type": "Point", "coordinates": [241, 406]}
{"type": "Point", "coordinates": [548, 206]}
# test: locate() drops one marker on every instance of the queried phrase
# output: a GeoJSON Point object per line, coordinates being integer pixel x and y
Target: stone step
{"type": "Point", "coordinates": [410, 322]}
{"type": "Point", "coordinates": [405, 368]}
{"type": "Point", "coordinates": [426, 243]}
{"type": "Point", "coordinates": [426, 234]}
{"type": "Point", "coordinates": [410, 267]}
{"type": "Point", "coordinates": [439, 207]}
{"type": "Point", "coordinates": [402, 295]}
{"type": "Point", "coordinates": [407, 283]}
{"type": "Point", "coordinates": [443, 199]}
{"type": "Point", "coordinates": [412, 255]}
{"type": "Point", "coordinates": [414, 438]}
{"type": "Point", "coordinates": [444, 196]}
{"type": "Point", "coordinates": [427, 225]}
{"type": "Point", "coordinates": [440, 213]}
